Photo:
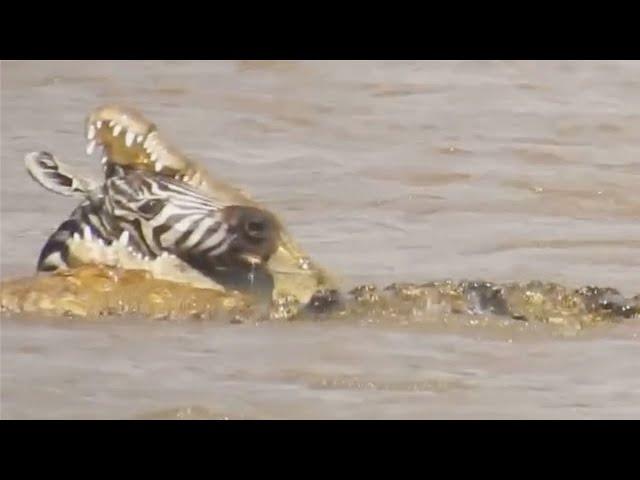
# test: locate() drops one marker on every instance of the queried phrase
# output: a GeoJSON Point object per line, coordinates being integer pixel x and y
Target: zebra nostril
{"type": "Point", "coordinates": [256, 228]}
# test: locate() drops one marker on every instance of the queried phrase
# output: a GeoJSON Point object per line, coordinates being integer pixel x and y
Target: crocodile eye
{"type": "Point", "coordinates": [151, 207]}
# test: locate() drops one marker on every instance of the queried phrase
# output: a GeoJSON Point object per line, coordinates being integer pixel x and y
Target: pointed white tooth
{"type": "Point", "coordinates": [154, 156]}
{"type": "Point", "coordinates": [87, 232]}
{"type": "Point", "coordinates": [124, 237]}
{"type": "Point", "coordinates": [112, 123]}
{"type": "Point", "coordinates": [158, 166]}
{"type": "Point", "coordinates": [90, 146]}
{"type": "Point", "coordinates": [139, 138]}
{"type": "Point", "coordinates": [104, 160]}
{"type": "Point", "coordinates": [128, 138]}
{"type": "Point", "coordinates": [101, 242]}
{"type": "Point", "coordinates": [116, 130]}
{"type": "Point", "coordinates": [76, 236]}
{"type": "Point", "coordinates": [99, 124]}
{"type": "Point", "coordinates": [150, 141]}
{"type": "Point", "coordinates": [91, 132]}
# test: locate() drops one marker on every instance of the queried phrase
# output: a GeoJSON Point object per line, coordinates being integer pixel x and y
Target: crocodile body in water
{"type": "Point", "coordinates": [95, 267]}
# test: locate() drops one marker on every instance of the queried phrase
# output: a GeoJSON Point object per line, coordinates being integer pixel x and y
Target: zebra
{"type": "Point", "coordinates": [155, 216]}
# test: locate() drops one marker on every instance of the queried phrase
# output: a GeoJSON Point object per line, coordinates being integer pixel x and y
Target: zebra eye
{"type": "Point", "coordinates": [151, 207]}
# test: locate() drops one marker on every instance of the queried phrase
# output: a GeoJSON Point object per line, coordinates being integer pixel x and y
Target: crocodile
{"type": "Point", "coordinates": [98, 277]}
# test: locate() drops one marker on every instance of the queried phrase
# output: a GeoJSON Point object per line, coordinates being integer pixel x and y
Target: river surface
{"type": "Point", "coordinates": [384, 171]}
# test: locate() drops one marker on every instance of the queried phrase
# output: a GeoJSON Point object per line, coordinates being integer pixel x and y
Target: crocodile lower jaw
{"type": "Point", "coordinates": [86, 250]}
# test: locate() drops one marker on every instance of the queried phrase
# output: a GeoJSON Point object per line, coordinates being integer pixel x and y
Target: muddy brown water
{"type": "Point", "coordinates": [384, 171]}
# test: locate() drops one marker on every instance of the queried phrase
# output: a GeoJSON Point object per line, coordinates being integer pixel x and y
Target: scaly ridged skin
{"type": "Point", "coordinates": [92, 291]}
{"type": "Point", "coordinates": [528, 302]}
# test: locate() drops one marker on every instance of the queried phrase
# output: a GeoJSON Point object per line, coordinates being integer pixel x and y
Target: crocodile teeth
{"type": "Point", "coordinates": [157, 166]}
{"type": "Point", "coordinates": [104, 160]}
{"type": "Point", "coordinates": [150, 142]}
{"type": "Point", "coordinates": [116, 130]}
{"type": "Point", "coordinates": [87, 233]}
{"type": "Point", "coordinates": [124, 237]}
{"type": "Point", "coordinates": [76, 236]}
{"type": "Point", "coordinates": [128, 138]}
{"type": "Point", "coordinates": [91, 132]}
{"type": "Point", "coordinates": [99, 124]}
{"type": "Point", "coordinates": [91, 146]}
{"type": "Point", "coordinates": [139, 138]}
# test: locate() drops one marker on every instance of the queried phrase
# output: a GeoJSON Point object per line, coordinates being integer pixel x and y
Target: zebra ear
{"type": "Point", "coordinates": [54, 175]}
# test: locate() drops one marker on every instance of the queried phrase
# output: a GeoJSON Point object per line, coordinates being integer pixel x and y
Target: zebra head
{"type": "Point", "coordinates": [155, 218]}
{"type": "Point", "coordinates": [226, 242]}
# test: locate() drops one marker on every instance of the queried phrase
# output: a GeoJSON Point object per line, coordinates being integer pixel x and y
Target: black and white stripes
{"type": "Point", "coordinates": [164, 215]}
{"type": "Point", "coordinates": [155, 215]}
